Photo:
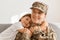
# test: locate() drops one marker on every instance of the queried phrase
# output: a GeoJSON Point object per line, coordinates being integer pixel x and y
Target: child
{"type": "Point", "coordinates": [25, 32]}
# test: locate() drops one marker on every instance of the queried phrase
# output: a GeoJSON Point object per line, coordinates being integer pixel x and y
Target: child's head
{"type": "Point", "coordinates": [26, 19]}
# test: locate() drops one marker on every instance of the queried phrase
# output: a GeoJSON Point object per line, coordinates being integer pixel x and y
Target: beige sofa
{"type": "Point", "coordinates": [55, 27]}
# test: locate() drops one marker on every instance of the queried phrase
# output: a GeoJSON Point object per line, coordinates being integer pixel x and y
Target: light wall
{"type": "Point", "coordinates": [10, 8]}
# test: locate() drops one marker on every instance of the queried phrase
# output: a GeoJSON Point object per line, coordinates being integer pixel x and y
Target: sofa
{"type": "Point", "coordinates": [55, 27]}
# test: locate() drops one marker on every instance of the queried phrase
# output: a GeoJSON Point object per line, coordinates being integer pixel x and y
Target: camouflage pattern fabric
{"type": "Point", "coordinates": [38, 35]}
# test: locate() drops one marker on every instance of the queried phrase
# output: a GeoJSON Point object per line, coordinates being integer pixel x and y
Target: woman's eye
{"type": "Point", "coordinates": [38, 13]}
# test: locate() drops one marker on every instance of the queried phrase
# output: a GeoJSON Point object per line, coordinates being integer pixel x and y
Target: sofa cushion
{"type": "Point", "coordinates": [4, 26]}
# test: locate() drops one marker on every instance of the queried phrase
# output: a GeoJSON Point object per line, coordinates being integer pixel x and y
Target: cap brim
{"type": "Point", "coordinates": [36, 8]}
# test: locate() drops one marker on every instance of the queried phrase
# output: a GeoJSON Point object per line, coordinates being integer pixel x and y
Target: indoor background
{"type": "Point", "coordinates": [10, 9]}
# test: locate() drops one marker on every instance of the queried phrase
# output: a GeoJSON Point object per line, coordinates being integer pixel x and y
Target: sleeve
{"type": "Point", "coordinates": [18, 36]}
{"type": "Point", "coordinates": [53, 33]}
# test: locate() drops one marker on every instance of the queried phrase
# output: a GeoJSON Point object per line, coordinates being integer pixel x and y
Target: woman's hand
{"type": "Point", "coordinates": [44, 25]}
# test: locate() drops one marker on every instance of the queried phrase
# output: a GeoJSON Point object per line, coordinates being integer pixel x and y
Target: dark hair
{"type": "Point", "coordinates": [29, 15]}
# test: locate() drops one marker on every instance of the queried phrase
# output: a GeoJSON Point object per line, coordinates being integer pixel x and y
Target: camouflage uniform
{"type": "Point", "coordinates": [41, 35]}
{"type": "Point", "coordinates": [18, 36]}
{"type": "Point", "coordinates": [22, 36]}
{"type": "Point", "coordinates": [38, 34]}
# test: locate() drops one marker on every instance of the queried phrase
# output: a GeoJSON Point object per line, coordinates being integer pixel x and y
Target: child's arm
{"type": "Point", "coordinates": [21, 30]}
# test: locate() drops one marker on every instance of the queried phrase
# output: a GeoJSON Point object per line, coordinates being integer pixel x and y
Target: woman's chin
{"type": "Point", "coordinates": [38, 22]}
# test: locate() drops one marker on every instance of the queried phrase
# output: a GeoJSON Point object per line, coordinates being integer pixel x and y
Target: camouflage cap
{"type": "Point", "coordinates": [41, 6]}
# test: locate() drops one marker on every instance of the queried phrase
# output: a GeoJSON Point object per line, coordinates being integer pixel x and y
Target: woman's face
{"type": "Point", "coordinates": [37, 16]}
{"type": "Point", "coordinates": [26, 21]}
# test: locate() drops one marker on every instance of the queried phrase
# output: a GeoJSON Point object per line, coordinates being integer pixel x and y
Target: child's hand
{"type": "Point", "coordinates": [25, 30]}
{"type": "Point", "coordinates": [21, 30]}
{"type": "Point", "coordinates": [35, 28]}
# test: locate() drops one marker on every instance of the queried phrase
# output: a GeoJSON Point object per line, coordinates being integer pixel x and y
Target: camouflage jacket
{"type": "Point", "coordinates": [50, 35]}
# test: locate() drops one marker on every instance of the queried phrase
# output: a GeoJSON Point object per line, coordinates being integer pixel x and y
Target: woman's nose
{"type": "Point", "coordinates": [37, 15]}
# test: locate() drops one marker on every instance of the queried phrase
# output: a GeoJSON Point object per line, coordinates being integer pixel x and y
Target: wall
{"type": "Point", "coordinates": [10, 8]}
